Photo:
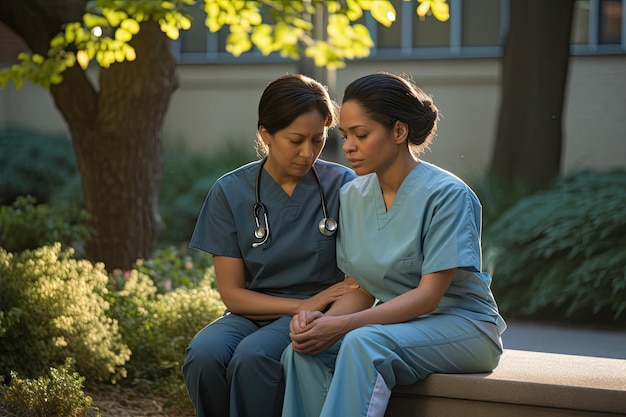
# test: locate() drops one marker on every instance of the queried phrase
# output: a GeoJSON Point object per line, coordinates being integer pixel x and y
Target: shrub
{"type": "Point", "coordinates": [561, 253]}
{"type": "Point", "coordinates": [53, 308]}
{"type": "Point", "coordinates": [25, 225]}
{"type": "Point", "coordinates": [157, 327]}
{"type": "Point", "coordinates": [33, 163]}
{"type": "Point", "coordinates": [172, 267]}
{"type": "Point", "coordinates": [58, 394]}
{"type": "Point", "coordinates": [496, 196]}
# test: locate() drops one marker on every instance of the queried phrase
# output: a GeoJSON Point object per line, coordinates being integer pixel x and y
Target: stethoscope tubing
{"type": "Point", "coordinates": [327, 226]}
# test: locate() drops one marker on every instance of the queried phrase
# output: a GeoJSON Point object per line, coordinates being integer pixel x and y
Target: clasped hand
{"type": "Point", "coordinates": [312, 332]}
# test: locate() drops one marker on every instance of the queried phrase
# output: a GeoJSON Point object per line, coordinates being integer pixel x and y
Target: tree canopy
{"type": "Point", "coordinates": [116, 123]}
{"type": "Point", "coordinates": [272, 26]}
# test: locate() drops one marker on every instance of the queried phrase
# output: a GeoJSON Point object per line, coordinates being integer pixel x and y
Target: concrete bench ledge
{"type": "Point", "coordinates": [524, 384]}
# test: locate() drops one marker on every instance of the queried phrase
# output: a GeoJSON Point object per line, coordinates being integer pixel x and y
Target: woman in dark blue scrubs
{"type": "Point", "coordinates": [270, 226]}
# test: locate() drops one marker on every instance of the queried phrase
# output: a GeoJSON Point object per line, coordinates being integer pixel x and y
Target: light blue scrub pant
{"type": "Point", "coordinates": [355, 376]}
{"type": "Point", "coordinates": [232, 368]}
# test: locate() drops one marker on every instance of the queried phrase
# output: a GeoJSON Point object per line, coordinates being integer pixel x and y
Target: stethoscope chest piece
{"type": "Point", "coordinates": [328, 226]}
{"type": "Point", "coordinates": [260, 232]}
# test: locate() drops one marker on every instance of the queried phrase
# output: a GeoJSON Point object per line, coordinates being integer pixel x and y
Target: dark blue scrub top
{"type": "Point", "coordinates": [297, 261]}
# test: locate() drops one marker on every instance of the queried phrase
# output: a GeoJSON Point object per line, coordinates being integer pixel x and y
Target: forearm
{"type": "Point", "coordinates": [351, 302]}
{"type": "Point", "coordinates": [408, 306]}
{"type": "Point", "coordinates": [259, 306]}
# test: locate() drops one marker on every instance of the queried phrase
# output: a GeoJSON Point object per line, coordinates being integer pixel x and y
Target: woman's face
{"type": "Point", "coordinates": [293, 150]}
{"type": "Point", "coordinates": [369, 146]}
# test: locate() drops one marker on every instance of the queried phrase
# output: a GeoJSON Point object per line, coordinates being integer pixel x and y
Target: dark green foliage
{"type": "Point", "coordinates": [34, 163]}
{"type": "Point", "coordinates": [561, 253]}
{"type": "Point", "coordinates": [25, 225]}
{"type": "Point", "coordinates": [158, 327]}
{"type": "Point", "coordinates": [187, 178]}
{"type": "Point", "coordinates": [57, 394]}
{"type": "Point", "coordinates": [44, 167]}
{"type": "Point", "coordinates": [53, 308]}
{"type": "Point", "coordinates": [496, 195]}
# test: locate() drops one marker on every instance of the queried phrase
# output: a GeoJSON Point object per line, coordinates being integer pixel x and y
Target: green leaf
{"type": "Point", "coordinates": [237, 43]}
{"type": "Point", "coordinates": [18, 81]}
{"type": "Point", "coordinates": [92, 20]}
{"type": "Point", "coordinates": [383, 12]}
{"type": "Point", "coordinates": [131, 25]}
{"type": "Point", "coordinates": [262, 38]}
{"type": "Point", "coordinates": [123, 35]}
{"type": "Point", "coordinates": [170, 30]}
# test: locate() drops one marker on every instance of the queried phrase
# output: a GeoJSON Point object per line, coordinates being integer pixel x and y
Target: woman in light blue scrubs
{"type": "Point", "coordinates": [270, 226]}
{"type": "Point", "coordinates": [410, 235]}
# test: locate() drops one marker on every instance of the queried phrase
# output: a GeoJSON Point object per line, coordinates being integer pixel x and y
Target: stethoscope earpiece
{"type": "Point", "coordinates": [327, 226]}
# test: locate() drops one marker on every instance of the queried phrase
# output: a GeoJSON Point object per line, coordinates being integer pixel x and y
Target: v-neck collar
{"type": "Point", "coordinates": [278, 196]}
{"type": "Point", "coordinates": [383, 215]}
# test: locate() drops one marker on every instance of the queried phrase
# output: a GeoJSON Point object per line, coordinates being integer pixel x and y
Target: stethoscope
{"type": "Point", "coordinates": [327, 226]}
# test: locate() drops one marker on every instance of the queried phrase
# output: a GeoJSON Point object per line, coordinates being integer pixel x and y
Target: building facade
{"type": "Point", "coordinates": [457, 62]}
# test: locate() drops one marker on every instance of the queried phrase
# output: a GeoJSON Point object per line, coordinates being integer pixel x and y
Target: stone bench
{"type": "Point", "coordinates": [524, 384]}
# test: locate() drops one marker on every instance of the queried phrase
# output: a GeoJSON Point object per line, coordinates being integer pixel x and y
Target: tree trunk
{"type": "Point", "coordinates": [120, 156]}
{"type": "Point", "coordinates": [115, 129]}
{"type": "Point", "coordinates": [534, 78]}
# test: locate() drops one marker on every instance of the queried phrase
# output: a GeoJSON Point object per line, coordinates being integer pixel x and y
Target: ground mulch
{"type": "Point", "coordinates": [115, 401]}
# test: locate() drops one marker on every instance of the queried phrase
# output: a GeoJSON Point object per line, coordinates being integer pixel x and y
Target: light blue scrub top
{"type": "Point", "coordinates": [297, 260]}
{"type": "Point", "coordinates": [434, 224]}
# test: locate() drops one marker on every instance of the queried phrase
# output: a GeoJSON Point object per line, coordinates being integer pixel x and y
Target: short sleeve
{"type": "Point", "coordinates": [452, 239]}
{"type": "Point", "coordinates": [215, 230]}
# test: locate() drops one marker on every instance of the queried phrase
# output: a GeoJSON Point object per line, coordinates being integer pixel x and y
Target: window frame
{"type": "Point", "coordinates": [406, 51]}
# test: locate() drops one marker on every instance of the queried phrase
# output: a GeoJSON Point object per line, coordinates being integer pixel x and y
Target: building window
{"type": "Point", "coordinates": [599, 26]}
{"type": "Point", "coordinates": [476, 28]}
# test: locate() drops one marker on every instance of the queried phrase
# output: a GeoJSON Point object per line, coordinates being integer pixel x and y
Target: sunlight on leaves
{"type": "Point", "coordinates": [238, 42]}
{"type": "Point", "coordinates": [272, 26]}
{"type": "Point", "coordinates": [83, 59]}
{"type": "Point", "coordinates": [439, 9]}
{"type": "Point", "coordinates": [383, 12]}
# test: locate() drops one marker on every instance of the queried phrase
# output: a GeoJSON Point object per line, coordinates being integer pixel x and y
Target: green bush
{"type": "Point", "coordinates": [58, 394]}
{"type": "Point", "coordinates": [26, 225]}
{"type": "Point", "coordinates": [158, 327]}
{"type": "Point", "coordinates": [561, 253]}
{"type": "Point", "coordinates": [44, 167]}
{"type": "Point", "coordinates": [53, 308]}
{"type": "Point", "coordinates": [33, 163]}
{"type": "Point", "coordinates": [172, 267]}
{"type": "Point", "coordinates": [496, 196]}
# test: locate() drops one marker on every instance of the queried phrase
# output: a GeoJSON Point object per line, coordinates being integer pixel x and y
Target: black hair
{"type": "Point", "coordinates": [288, 97]}
{"type": "Point", "coordinates": [388, 98]}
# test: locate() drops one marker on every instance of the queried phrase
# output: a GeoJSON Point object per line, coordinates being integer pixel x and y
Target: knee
{"type": "Point", "coordinates": [363, 337]}
{"type": "Point", "coordinates": [204, 355]}
{"type": "Point", "coordinates": [249, 362]}
{"type": "Point", "coordinates": [247, 357]}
